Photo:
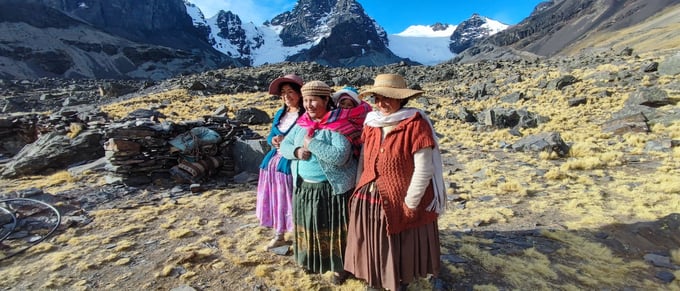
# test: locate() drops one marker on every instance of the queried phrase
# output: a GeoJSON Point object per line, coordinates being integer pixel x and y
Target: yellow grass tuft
{"type": "Point", "coordinates": [58, 181]}
{"type": "Point", "coordinates": [181, 233]}
{"type": "Point", "coordinates": [75, 129]}
{"type": "Point", "coordinates": [55, 282]}
{"type": "Point", "coordinates": [585, 163]}
{"type": "Point", "coordinates": [555, 174]}
{"type": "Point", "coordinates": [583, 149]}
{"type": "Point", "coordinates": [612, 158]}
{"type": "Point", "coordinates": [636, 139]}
{"type": "Point", "coordinates": [82, 240]}
{"type": "Point", "coordinates": [80, 285]}
{"type": "Point", "coordinates": [42, 248]}
{"type": "Point", "coordinates": [85, 265]}
{"type": "Point", "coordinates": [122, 262]}
{"type": "Point", "coordinates": [512, 187]}
{"type": "Point", "coordinates": [128, 230]}
{"type": "Point", "coordinates": [124, 245]}
{"type": "Point", "coordinates": [485, 288]}
{"type": "Point", "coordinates": [188, 275]}
{"type": "Point", "coordinates": [166, 271]}
{"type": "Point", "coordinates": [675, 257]}
{"type": "Point", "coordinates": [263, 270]}
{"type": "Point", "coordinates": [663, 183]}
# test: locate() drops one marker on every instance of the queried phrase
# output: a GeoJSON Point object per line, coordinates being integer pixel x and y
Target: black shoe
{"type": "Point", "coordinates": [339, 278]}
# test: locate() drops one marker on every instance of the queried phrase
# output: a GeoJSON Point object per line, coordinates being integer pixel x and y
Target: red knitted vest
{"type": "Point", "coordinates": [390, 164]}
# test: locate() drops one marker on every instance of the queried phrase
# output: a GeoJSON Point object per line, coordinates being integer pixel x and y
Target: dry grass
{"type": "Point", "coordinates": [200, 236]}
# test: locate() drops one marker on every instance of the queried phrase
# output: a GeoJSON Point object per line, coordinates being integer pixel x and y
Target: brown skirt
{"type": "Point", "coordinates": [382, 260]}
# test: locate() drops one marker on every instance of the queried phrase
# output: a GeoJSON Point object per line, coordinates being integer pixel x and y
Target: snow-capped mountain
{"type": "Point", "coordinates": [425, 44]}
{"type": "Point", "coordinates": [473, 30]}
{"type": "Point", "coordinates": [337, 33]}
{"type": "Point", "coordinates": [334, 33]}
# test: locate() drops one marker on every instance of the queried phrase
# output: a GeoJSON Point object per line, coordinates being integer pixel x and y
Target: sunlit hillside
{"type": "Point", "coordinates": [661, 32]}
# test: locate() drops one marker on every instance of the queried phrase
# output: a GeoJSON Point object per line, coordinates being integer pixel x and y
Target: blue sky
{"type": "Point", "coordinates": [394, 16]}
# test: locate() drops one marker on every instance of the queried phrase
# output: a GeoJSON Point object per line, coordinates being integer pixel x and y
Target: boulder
{"type": "Point", "coordinates": [54, 151]}
{"type": "Point", "coordinates": [252, 116]}
{"type": "Point", "coordinates": [631, 123]}
{"type": "Point", "coordinates": [547, 141]}
{"type": "Point", "coordinates": [670, 66]}
{"type": "Point", "coordinates": [248, 153]}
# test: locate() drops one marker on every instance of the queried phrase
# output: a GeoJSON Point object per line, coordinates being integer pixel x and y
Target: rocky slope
{"type": "Point", "coordinates": [73, 40]}
{"type": "Point", "coordinates": [556, 27]}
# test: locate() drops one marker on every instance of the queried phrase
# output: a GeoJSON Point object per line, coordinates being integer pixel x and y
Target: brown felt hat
{"type": "Point", "coordinates": [275, 86]}
{"type": "Point", "coordinates": [316, 88]}
{"type": "Point", "coordinates": [391, 86]}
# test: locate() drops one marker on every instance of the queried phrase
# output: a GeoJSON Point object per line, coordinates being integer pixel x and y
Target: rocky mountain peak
{"type": "Point", "coordinates": [340, 31]}
{"type": "Point", "coordinates": [312, 19]}
{"type": "Point", "coordinates": [231, 29]}
{"type": "Point", "coordinates": [468, 32]}
{"type": "Point", "coordinates": [439, 26]}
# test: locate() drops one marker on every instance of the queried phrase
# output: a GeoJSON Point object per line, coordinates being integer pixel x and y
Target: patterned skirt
{"type": "Point", "coordinates": [320, 227]}
{"type": "Point", "coordinates": [274, 206]}
{"type": "Point", "coordinates": [382, 260]}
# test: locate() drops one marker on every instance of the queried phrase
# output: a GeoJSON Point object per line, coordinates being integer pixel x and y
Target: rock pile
{"type": "Point", "coordinates": [143, 151]}
{"type": "Point", "coordinates": [136, 150]}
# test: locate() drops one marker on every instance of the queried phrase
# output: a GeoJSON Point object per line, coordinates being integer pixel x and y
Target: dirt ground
{"type": "Point", "coordinates": [605, 217]}
{"type": "Point", "coordinates": [157, 238]}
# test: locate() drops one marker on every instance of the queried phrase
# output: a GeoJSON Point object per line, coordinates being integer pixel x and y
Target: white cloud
{"type": "Point", "coordinates": [248, 10]}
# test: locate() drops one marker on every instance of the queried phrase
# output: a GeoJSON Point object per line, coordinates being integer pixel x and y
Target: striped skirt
{"type": "Point", "coordinates": [274, 207]}
{"type": "Point", "coordinates": [320, 227]}
{"type": "Point", "coordinates": [382, 260]}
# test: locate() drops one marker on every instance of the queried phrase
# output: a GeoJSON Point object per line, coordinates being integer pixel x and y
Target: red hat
{"type": "Point", "coordinates": [275, 86]}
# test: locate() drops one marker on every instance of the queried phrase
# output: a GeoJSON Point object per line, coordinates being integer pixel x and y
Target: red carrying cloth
{"type": "Point", "coordinates": [348, 122]}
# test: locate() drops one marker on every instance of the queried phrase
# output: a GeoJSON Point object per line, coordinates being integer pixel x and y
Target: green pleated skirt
{"type": "Point", "coordinates": [320, 220]}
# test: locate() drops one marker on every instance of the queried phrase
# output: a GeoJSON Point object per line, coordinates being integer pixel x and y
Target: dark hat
{"type": "Point", "coordinates": [275, 86]}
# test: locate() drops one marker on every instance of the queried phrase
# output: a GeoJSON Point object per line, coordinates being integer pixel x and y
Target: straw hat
{"type": "Point", "coordinates": [391, 86]}
{"type": "Point", "coordinates": [275, 86]}
{"type": "Point", "coordinates": [347, 90]}
{"type": "Point", "coordinates": [316, 88]}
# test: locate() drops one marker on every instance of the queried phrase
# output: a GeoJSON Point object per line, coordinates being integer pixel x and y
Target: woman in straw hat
{"type": "Point", "coordinates": [274, 206]}
{"type": "Point", "coordinates": [392, 234]}
{"type": "Point", "coordinates": [324, 173]}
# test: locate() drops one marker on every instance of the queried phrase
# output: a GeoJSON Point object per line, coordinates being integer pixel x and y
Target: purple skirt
{"type": "Point", "coordinates": [275, 198]}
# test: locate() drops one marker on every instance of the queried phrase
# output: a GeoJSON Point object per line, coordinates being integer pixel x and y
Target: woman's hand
{"type": "Point", "coordinates": [409, 213]}
{"type": "Point", "coordinates": [303, 153]}
{"type": "Point", "coordinates": [276, 141]}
